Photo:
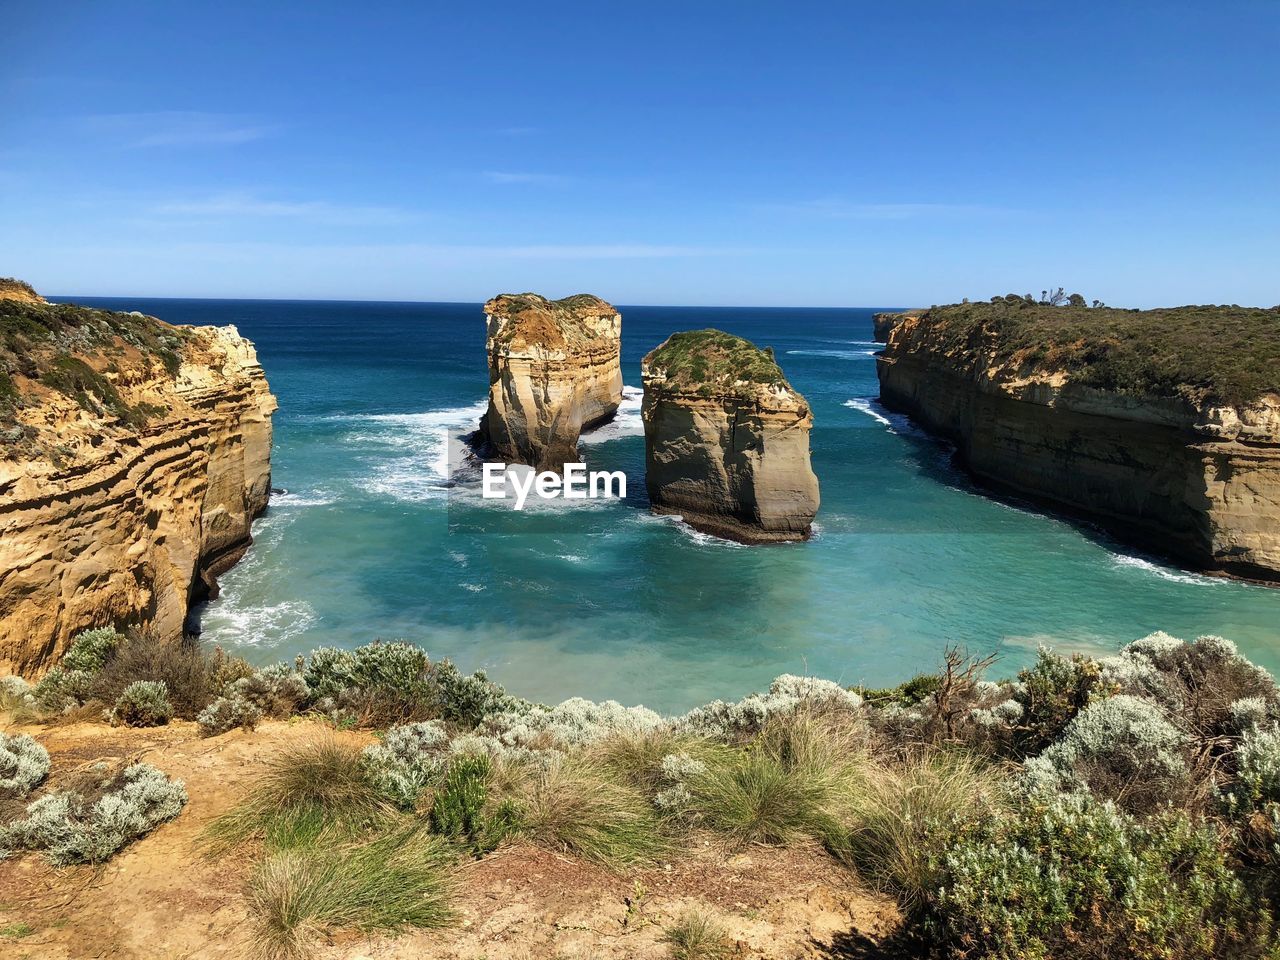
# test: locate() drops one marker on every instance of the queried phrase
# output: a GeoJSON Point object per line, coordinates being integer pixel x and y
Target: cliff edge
{"type": "Point", "coordinates": [133, 456]}
{"type": "Point", "coordinates": [1162, 426]}
{"type": "Point", "coordinates": [727, 439]}
{"type": "Point", "coordinates": [554, 371]}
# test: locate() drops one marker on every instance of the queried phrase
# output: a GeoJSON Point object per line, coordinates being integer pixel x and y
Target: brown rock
{"type": "Point", "coordinates": [554, 371]}
{"type": "Point", "coordinates": [1192, 479]}
{"type": "Point", "coordinates": [128, 485]}
{"type": "Point", "coordinates": [727, 440]}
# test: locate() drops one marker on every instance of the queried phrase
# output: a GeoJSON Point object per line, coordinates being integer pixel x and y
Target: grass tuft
{"type": "Point", "coordinates": [577, 806]}
{"type": "Point", "coordinates": [395, 881]}
{"type": "Point", "coordinates": [792, 782]}
{"type": "Point", "coordinates": [695, 936]}
{"type": "Point", "coordinates": [903, 811]}
{"type": "Point", "coordinates": [313, 790]}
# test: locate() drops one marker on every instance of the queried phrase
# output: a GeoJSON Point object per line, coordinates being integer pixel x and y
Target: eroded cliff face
{"type": "Point", "coordinates": [133, 456]}
{"type": "Point", "coordinates": [727, 440]}
{"type": "Point", "coordinates": [554, 371]}
{"type": "Point", "coordinates": [1179, 474]}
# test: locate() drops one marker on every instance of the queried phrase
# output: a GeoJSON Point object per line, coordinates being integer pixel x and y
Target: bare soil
{"type": "Point", "coordinates": [160, 898]}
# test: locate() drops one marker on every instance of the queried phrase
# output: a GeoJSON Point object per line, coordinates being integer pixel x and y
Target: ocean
{"type": "Point", "coordinates": [602, 600]}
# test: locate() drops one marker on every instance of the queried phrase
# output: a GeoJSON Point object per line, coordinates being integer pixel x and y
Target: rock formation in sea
{"type": "Point", "coordinates": [727, 439]}
{"type": "Point", "coordinates": [554, 371]}
{"type": "Point", "coordinates": [1161, 426]}
{"type": "Point", "coordinates": [133, 456]}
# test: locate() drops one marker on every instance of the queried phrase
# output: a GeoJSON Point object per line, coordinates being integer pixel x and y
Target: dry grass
{"type": "Point", "coordinates": [902, 811]}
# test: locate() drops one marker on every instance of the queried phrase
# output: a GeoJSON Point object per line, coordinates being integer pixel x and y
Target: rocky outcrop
{"type": "Point", "coordinates": [554, 371]}
{"type": "Point", "coordinates": [1060, 418]}
{"type": "Point", "coordinates": [727, 439]}
{"type": "Point", "coordinates": [133, 456]}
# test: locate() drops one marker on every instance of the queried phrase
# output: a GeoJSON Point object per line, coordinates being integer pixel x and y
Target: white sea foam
{"type": "Point", "coordinates": [894, 422]}
{"type": "Point", "coordinates": [1165, 573]}
{"type": "Point", "coordinates": [421, 451]}
{"type": "Point", "coordinates": [697, 536]}
{"type": "Point", "coordinates": [626, 422]}
{"type": "Point", "coordinates": [316, 498]}
{"type": "Point", "coordinates": [869, 407]}
{"type": "Point", "coordinates": [473, 587]}
{"type": "Point", "coordinates": [838, 354]}
{"type": "Point", "coordinates": [229, 623]}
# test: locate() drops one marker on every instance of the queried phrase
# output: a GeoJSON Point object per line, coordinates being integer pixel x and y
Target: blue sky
{"type": "Point", "coordinates": [691, 152]}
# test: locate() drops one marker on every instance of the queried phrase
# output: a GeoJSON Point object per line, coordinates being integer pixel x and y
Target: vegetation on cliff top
{"type": "Point", "coordinates": [709, 362]}
{"type": "Point", "coordinates": [1121, 806]}
{"type": "Point", "coordinates": [71, 349]}
{"type": "Point", "coordinates": [549, 323]}
{"type": "Point", "coordinates": [1227, 354]}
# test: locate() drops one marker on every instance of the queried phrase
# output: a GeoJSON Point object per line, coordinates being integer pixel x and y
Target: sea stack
{"type": "Point", "coordinates": [133, 457]}
{"type": "Point", "coordinates": [554, 371]}
{"type": "Point", "coordinates": [727, 439]}
{"type": "Point", "coordinates": [1161, 426]}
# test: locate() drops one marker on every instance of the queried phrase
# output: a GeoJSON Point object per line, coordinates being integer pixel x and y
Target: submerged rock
{"type": "Point", "coordinates": [727, 439]}
{"type": "Point", "coordinates": [554, 372]}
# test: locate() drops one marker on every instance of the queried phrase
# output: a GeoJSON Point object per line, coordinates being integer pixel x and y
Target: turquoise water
{"type": "Point", "coordinates": [601, 599]}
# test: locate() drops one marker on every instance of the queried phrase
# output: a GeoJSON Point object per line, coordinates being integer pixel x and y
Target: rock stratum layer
{"type": "Point", "coordinates": [727, 440]}
{"type": "Point", "coordinates": [133, 456]}
{"type": "Point", "coordinates": [554, 371]}
{"type": "Point", "coordinates": [1163, 427]}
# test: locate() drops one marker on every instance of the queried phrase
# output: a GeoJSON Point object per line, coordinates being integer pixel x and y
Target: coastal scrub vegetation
{"type": "Point", "coordinates": [48, 343]}
{"type": "Point", "coordinates": [712, 361]}
{"type": "Point", "coordinates": [1225, 354]}
{"type": "Point", "coordinates": [1119, 806]}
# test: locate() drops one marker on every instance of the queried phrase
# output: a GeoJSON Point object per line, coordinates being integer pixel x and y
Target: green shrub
{"type": "Point", "coordinates": [466, 700]}
{"type": "Point", "coordinates": [70, 682]}
{"type": "Point", "coordinates": [461, 810]}
{"type": "Point", "coordinates": [379, 683]}
{"type": "Point", "coordinates": [408, 760]}
{"type": "Point", "coordinates": [71, 828]}
{"type": "Point", "coordinates": [1051, 692]}
{"type": "Point", "coordinates": [1075, 877]}
{"type": "Point", "coordinates": [914, 691]}
{"type": "Point", "coordinates": [24, 764]}
{"type": "Point", "coordinates": [89, 650]}
{"type": "Point", "coordinates": [274, 691]}
{"type": "Point", "coordinates": [1121, 748]}
{"type": "Point", "coordinates": [144, 703]}
{"type": "Point", "coordinates": [394, 881]}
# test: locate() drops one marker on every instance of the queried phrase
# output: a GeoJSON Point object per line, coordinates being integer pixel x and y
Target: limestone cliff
{"type": "Point", "coordinates": [1162, 426]}
{"type": "Point", "coordinates": [133, 456]}
{"type": "Point", "coordinates": [554, 371]}
{"type": "Point", "coordinates": [727, 439]}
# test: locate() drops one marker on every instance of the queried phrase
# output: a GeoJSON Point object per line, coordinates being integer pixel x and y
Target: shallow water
{"type": "Point", "coordinates": [600, 599]}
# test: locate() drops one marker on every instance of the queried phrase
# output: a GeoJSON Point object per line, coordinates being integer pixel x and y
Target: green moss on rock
{"type": "Point", "coordinates": [709, 362]}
